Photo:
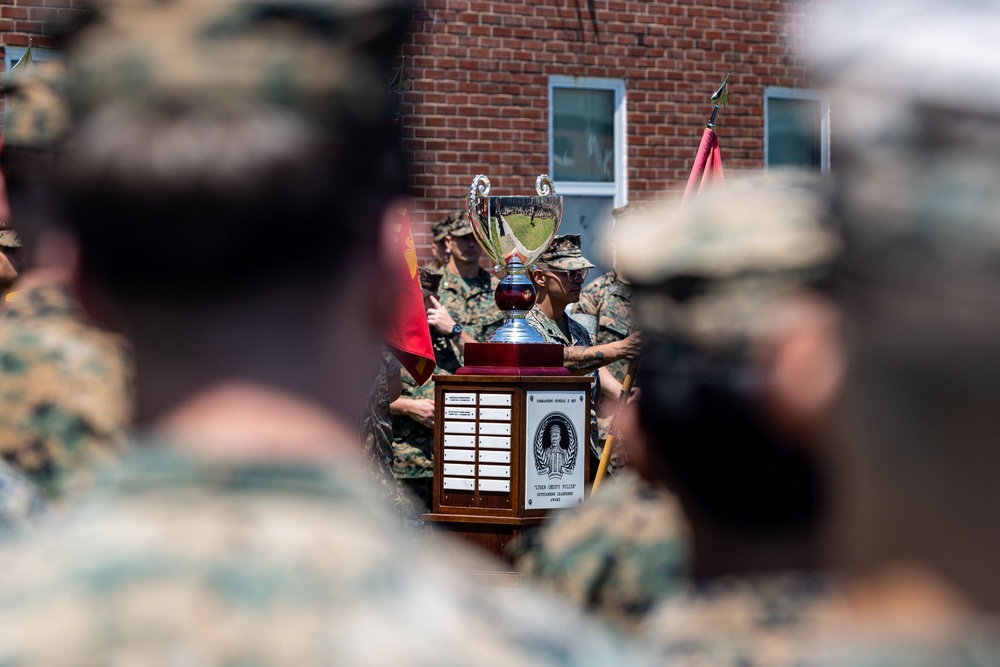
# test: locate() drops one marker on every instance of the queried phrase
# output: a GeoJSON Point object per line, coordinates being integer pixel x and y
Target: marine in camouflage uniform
{"type": "Point", "coordinates": [181, 559]}
{"type": "Point", "coordinates": [413, 442]}
{"type": "Point", "coordinates": [563, 257]}
{"type": "Point", "coordinates": [608, 299]}
{"type": "Point", "coordinates": [710, 279]}
{"type": "Point", "coordinates": [65, 383]}
{"type": "Point", "coordinates": [470, 301]}
{"type": "Point", "coordinates": [618, 555]}
{"type": "Point", "coordinates": [65, 388]}
{"type": "Point", "coordinates": [917, 286]}
{"type": "Point", "coordinates": [247, 531]}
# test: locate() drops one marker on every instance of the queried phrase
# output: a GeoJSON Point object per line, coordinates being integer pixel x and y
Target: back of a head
{"type": "Point", "coordinates": [707, 276]}
{"type": "Point", "coordinates": [222, 146]}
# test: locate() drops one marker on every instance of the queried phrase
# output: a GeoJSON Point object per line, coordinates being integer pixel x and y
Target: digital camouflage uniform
{"type": "Point", "coordinates": [65, 387]}
{"type": "Point", "coordinates": [564, 254]}
{"type": "Point", "coordinates": [609, 299]}
{"type": "Point", "coordinates": [749, 245]}
{"type": "Point", "coordinates": [376, 431]}
{"type": "Point", "coordinates": [745, 621]}
{"type": "Point", "coordinates": [470, 301]}
{"type": "Point", "coordinates": [620, 553]}
{"type": "Point", "coordinates": [174, 560]}
{"type": "Point", "coordinates": [65, 384]}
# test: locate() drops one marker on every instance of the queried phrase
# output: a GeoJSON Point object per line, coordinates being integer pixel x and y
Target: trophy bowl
{"type": "Point", "coordinates": [514, 232]}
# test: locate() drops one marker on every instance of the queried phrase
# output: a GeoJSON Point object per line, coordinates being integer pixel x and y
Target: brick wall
{"type": "Point", "coordinates": [21, 19]}
{"type": "Point", "coordinates": [480, 68]}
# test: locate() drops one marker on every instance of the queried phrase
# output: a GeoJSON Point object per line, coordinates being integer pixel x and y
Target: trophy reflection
{"type": "Point", "coordinates": [514, 232]}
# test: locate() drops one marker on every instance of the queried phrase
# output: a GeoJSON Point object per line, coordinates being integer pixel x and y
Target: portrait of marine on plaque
{"type": "Point", "coordinates": [555, 446]}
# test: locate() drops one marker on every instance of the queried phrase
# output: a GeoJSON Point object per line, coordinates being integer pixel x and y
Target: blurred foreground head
{"type": "Point", "coordinates": [228, 175]}
{"type": "Point", "coordinates": [224, 145]}
{"type": "Point", "coordinates": [916, 86]}
{"type": "Point", "coordinates": [723, 285]}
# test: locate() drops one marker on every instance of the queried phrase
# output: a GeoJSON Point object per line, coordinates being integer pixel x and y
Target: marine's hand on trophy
{"type": "Point", "coordinates": [439, 318]}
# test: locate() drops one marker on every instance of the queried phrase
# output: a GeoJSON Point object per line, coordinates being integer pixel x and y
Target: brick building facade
{"type": "Point", "coordinates": [483, 71]}
{"type": "Point", "coordinates": [488, 78]}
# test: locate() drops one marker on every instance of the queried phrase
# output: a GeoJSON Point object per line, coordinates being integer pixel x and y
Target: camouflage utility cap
{"type": "Point", "coordinates": [460, 225]}
{"type": "Point", "coordinates": [918, 128]}
{"type": "Point", "coordinates": [706, 271]}
{"type": "Point", "coordinates": [564, 254]}
{"type": "Point", "coordinates": [36, 111]}
{"type": "Point", "coordinates": [326, 59]}
{"type": "Point", "coordinates": [441, 228]}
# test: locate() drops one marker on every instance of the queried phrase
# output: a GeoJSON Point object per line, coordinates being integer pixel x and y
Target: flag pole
{"type": "Point", "coordinates": [708, 150]}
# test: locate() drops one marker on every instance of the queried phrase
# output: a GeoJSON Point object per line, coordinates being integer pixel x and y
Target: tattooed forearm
{"type": "Point", "coordinates": [583, 360]}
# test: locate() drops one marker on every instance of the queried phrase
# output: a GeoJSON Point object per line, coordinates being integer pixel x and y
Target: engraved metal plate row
{"type": "Point", "coordinates": [477, 441]}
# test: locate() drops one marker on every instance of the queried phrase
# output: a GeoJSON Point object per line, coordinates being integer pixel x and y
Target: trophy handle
{"type": "Point", "coordinates": [477, 200]}
{"type": "Point", "coordinates": [544, 185]}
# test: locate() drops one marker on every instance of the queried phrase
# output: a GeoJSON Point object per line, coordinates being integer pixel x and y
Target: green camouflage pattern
{"type": "Point", "coordinates": [65, 389]}
{"type": "Point", "coordinates": [748, 244]}
{"type": "Point", "coordinates": [618, 555]}
{"type": "Point", "coordinates": [579, 337]}
{"type": "Point", "coordinates": [456, 224]}
{"type": "Point", "coordinates": [763, 620]}
{"type": "Point", "coordinates": [412, 442]}
{"type": "Point", "coordinates": [321, 58]}
{"type": "Point", "coordinates": [564, 254]}
{"type": "Point", "coordinates": [36, 110]}
{"type": "Point", "coordinates": [609, 299]}
{"type": "Point", "coordinates": [441, 227]}
{"type": "Point", "coordinates": [175, 560]}
{"type": "Point", "coordinates": [471, 303]}
{"type": "Point", "coordinates": [376, 431]}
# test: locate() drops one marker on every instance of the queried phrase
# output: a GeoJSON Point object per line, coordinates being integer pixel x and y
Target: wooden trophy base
{"type": "Point", "coordinates": [511, 442]}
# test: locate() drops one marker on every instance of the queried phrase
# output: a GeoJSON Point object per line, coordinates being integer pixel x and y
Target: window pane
{"type": "Point", "coordinates": [583, 135]}
{"type": "Point", "coordinates": [793, 128]}
{"type": "Point", "coordinates": [588, 217]}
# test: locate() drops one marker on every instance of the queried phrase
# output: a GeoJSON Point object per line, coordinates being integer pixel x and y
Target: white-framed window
{"type": "Point", "coordinates": [796, 128]}
{"type": "Point", "coordinates": [14, 53]}
{"type": "Point", "coordinates": [587, 157]}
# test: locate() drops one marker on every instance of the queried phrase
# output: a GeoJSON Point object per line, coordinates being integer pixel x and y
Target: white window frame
{"type": "Point", "coordinates": [777, 92]}
{"type": "Point", "coordinates": [618, 189]}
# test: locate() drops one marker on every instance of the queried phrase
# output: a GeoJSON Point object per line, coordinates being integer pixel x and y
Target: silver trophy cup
{"type": "Point", "coordinates": [514, 232]}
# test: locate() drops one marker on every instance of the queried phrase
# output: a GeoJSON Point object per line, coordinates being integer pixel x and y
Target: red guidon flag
{"type": "Point", "coordinates": [707, 164]}
{"type": "Point", "coordinates": [409, 337]}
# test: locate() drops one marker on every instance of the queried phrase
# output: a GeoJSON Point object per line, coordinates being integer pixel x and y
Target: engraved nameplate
{"type": "Point", "coordinates": [494, 414]}
{"type": "Point", "coordinates": [462, 455]}
{"type": "Point", "coordinates": [500, 485]}
{"type": "Point", "coordinates": [468, 428]}
{"type": "Point", "coordinates": [459, 441]}
{"type": "Point", "coordinates": [494, 471]}
{"type": "Point", "coordinates": [451, 398]}
{"type": "Point", "coordinates": [459, 469]}
{"type": "Point", "coordinates": [492, 442]}
{"type": "Point", "coordinates": [459, 413]}
{"type": "Point", "coordinates": [494, 399]}
{"type": "Point", "coordinates": [490, 457]}
{"type": "Point", "coordinates": [459, 484]}
{"type": "Point", "coordinates": [492, 429]}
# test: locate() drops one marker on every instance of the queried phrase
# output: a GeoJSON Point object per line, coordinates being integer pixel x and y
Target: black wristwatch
{"type": "Point", "coordinates": [456, 331]}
